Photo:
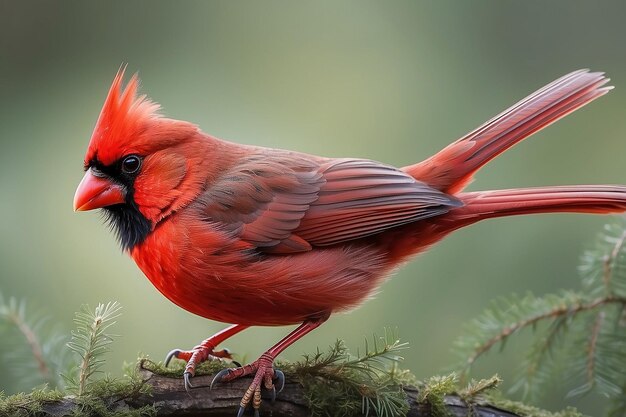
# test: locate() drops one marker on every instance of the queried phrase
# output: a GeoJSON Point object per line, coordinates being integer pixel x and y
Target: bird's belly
{"type": "Point", "coordinates": [224, 283]}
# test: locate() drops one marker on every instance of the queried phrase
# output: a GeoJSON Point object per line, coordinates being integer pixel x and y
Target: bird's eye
{"type": "Point", "coordinates": [131, 164]}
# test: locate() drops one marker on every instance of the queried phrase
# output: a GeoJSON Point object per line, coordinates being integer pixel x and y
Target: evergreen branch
{"type": "Point", "coordinates": [368, 383]}
{"type": "Point", "coordinates": [32, 351]}
{"type": "Point", "coordinates": [593, 320]}
{"type": "Point", "coordinates": [14, 313]}
{"type": "Point", "coordinates": [91, 341]}
{"type": "Point", "coordinates": [563, 310]}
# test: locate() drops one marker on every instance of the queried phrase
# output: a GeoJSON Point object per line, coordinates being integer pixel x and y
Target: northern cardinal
{"type": "Point", "coordinates": [268, 237]}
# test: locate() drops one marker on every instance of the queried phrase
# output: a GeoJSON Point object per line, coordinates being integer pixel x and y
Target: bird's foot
{"type": "Point", "coordinates": [264, 375]}
{"type": "Point", "coordinates": [201, 353]}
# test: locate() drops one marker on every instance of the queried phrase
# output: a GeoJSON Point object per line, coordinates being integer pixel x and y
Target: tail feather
{"type": "Point", "coordinates": [598, 199]}
{"type": "Point", "coordinates": [452, 169]}
{"type": "Point", "coordinates": [481, 205]}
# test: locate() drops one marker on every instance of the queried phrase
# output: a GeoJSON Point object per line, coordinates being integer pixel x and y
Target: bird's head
{"type": "Point", "coordinates": [139, 167]}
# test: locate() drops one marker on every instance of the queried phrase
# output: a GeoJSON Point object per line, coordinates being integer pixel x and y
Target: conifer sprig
{"type": "Point", "coordinates": [585, 330]}
{"type": "Point", "coordinates": [372, 376]}
{"type": "Point", "coordinates": [90, 342]}
{"type": "Point", "coordinates": [29, 343]}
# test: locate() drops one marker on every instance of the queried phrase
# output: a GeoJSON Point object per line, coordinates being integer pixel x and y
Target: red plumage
{"type": "Point", "coordinates": [258, 236]}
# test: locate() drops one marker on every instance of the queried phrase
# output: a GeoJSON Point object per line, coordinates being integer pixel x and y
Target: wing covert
{"type": "Point", "coordinates": [263, 199]}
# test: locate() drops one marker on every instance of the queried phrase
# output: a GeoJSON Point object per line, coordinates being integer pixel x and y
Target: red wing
{"type": "Point", "coordinates": [361, 198]}
{"type": "Point", "coordinates": [285, 203]}
{"type": "Point", "coordinates": [263, 200]}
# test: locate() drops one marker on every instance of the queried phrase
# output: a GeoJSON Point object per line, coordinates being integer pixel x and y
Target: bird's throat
{"type": "Point", "coordinates": [130, 226]}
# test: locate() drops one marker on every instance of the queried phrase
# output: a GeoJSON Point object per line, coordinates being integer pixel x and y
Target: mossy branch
{"type": "Point", "coordinates": [334, 383]}
{"type": "Point", "coordinates": [149, 393]}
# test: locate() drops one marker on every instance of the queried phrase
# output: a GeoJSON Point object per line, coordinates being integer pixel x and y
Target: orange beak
{"type": "Point", "coordinates": [95, 191]}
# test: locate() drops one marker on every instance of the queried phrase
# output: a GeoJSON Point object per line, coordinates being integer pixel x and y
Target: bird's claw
{"type": "Point", "coordinates": [218, 377]}
{"type": "Point", "coordinates": [265, 376]}
{"type": "Point", "coordinates": [278, 374]}
{"type": "Point", "coordinates": [187, 377]}
{"type": "Point", "coordinates": [172, 354]}
{"type": "Point", "coordinates": [201, 353]}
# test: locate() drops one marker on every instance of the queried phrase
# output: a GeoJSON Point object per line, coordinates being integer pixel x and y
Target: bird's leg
{"type": "Point", "coordinates": [263, 368]}
{"type": "Point", "coordinates": [204, 351]}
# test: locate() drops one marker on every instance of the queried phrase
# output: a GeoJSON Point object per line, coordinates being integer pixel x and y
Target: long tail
{"type": "Point", "coordinates": [599, 199]}
{"type": "Point", "coordinates": [452, 168]}
{"type": "Point", "coordinates": [481, 205]}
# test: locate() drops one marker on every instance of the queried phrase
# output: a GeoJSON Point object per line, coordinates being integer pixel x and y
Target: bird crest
{"type": "Point", "coordinates": [123, 119]}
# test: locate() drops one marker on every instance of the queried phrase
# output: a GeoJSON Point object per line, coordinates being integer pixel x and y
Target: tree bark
{"type": "Point", "coordinates": [169, 397]}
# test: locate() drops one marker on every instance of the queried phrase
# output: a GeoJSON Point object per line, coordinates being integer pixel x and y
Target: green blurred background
{"type": "Point", "coordinates": [391, 81]}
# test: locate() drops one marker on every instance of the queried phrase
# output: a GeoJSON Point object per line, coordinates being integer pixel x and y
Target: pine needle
{"type": "Point", "coordinates": [90, 342]}
{"type": "Point", "coordinates": [340, 384]}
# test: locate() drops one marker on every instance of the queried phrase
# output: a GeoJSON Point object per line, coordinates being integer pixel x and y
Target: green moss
{"type": "Point", "coordinates": [102, 394]}
{"type": "Point", "coordinates": [27, 404]}
{"type": "Point", "coordinates": [476, 389]}
{"type": "Point", "coordinates": [177, 367]}
{"type": "Point", "coordinates": [98, 407]}
{"type": "Point", "coordinates": [432, 393]}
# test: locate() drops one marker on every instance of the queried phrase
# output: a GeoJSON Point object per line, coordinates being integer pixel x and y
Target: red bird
{"type": "Point", "coordinates": [268, 237]}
